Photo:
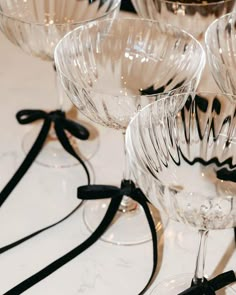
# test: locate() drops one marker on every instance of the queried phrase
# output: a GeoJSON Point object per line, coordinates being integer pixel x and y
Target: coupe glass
{"type": "Point", "coordinates": [112, 69]}
{"type": "Point", "coordinates": [220, 42]}
{"type": "Point", "coordinates": [187, 143]}
{"type": "Point", "coordinates": [193, 16]}
{"type": "Point", "coordinates": [36, 26]}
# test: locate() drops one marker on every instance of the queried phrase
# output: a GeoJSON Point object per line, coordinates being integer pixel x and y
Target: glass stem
{"type": "Point", "coordinates": [200, 262]}
{"type": "Point", "coordinates": [59, 90]}
{"type": "Point", "coordinates": [126, 172]}
{"type": "Point", "coordinates": [59, 101]}
{"type": "Point", "coordinates": [127, 204]}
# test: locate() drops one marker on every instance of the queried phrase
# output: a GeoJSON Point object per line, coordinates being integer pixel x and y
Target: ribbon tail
{"type": "Point", "coordinates": [62, 137]}
{"type": "Point", "coordinates": [42, 274]}
{"type": "Point", "coordinates": [26, 238]}
{"type": "Point", "coordinates": [223, 280]}
{"type": "Point", "coordinates": [29, 159]}
{"type": "Point", "coordinates": [195, 290]}
{"type": "Point", "coordinates": [209, 287]}
{"type": "Point", "coordinates": [141, 199]}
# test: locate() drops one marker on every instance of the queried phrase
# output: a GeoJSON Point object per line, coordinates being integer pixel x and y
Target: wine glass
{"type": "Point", "coordinates": [36, 26]}
{"type": "Point", "coordinates": [192, 16]}
{"type": "Point", "coordinates": [220, 40]}
{"type": "Point", "coordinates": [112, 69]}
{"type": "Point", "coordinates": [187, 143]}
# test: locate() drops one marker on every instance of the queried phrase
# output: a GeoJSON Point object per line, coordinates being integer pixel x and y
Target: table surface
{"type": "Point", "coordinates": [47, 194]}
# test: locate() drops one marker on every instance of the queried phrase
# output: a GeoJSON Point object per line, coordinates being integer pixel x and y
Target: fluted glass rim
{"type": "Point", "coordinates": [159, 101]}
{"type": "Point", "coordinates": [199, 71]}
{"type": "Point", "coordinates": [196, 4]}
{"type": "Point", "coordinates": [16, 19]}
{"type": "Point", "coordinates": [209, 29]}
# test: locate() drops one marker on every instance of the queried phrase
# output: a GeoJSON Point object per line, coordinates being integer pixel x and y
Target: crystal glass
{"type": "Point", "coordinates": [36, 26]}
{"type": "Point", "coordinates": [110, 70]}
{"type": "Point", "coordinates": [193, 16]}
{"type": "Point", "coordinates": [220, 40]}
{"type": "Point", "coordinates": [187, 143]}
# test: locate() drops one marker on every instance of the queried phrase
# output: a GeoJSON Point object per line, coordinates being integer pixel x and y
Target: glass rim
{"type": "Point", "coordinates": [203, 4]}
{"type": "Point", "coordinates": [197, 92]}
{"type": "Point", "coordinates": [199, 70]}
{"type": "Point", "coordinates": [117, 4]}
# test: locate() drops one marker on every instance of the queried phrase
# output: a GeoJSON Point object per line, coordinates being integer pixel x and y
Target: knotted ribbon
{"type": "Point", "coordinates": [127, 188]}
{"type": "Point", "coordinates": [62, 125]}
{"type": "Point", "coordinates": [209, 287]}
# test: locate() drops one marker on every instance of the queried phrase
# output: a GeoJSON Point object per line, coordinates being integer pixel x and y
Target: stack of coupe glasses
{"type": "Point", "coordinates": [181, 143]}
{"type": "Point", "coordinates": [144, 73]}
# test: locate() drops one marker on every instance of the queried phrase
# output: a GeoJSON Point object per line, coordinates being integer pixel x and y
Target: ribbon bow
{"type": "Point", "coordinates": [90, 192]}
{"type": "Point", "coordinates": [61, 125]}
{"type": "Point", "coordinates": [209, 287]}
{"type": "Point", "coordinates": [127, 188]}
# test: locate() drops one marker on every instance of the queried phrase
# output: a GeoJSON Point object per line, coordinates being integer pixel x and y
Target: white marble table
{"type": "Point", "coordinates": [46, 194]}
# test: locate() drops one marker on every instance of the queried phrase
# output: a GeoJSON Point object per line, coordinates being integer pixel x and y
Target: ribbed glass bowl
{"type": "Point", "coordinates": [37, 25]}
{"type": "Point", "coordinates": [193, 16]}
{"type": "Point", "coordinates": [190, 151]}
{"type": "Point", "coordinates": [220, 42]}
{"type": "Point", "coordinates": [111, 70]}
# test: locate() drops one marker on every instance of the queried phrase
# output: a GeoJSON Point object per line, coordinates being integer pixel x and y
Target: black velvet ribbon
{"type": "Point", "coordinates": [209, 287]}
{"type": "Point", "coordinates": [97, 192]}
{"type": "Point", "coordinates": [61, 126]}
{"type": "Point", "coordinates": [55, 265]}
{"type": "Point", "coordinates": [127, 188]}
{"type": "Point", "coordinates": [88, 192]}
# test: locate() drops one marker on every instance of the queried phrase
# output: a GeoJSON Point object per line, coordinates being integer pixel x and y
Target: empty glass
{"type": "Point", "coordinates": [36, 26]}
{"type": "Point", "coordinates": [187, 143]}
{"type": "Point", "coordinates": [220, 42]}
{"type": "Point", "coordinates": [110, 70]}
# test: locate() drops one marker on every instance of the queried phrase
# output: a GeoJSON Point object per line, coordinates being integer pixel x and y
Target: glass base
{"type": "Point", "coordinates": [127, 228]}
{"type": "Point", "coordinates": [53, 197]}
{"type": "Point", "coordinates": [54, 155]}
{"type": "Point", "coordinates": [179, 283]}
{"type": "Point", "coordinates": [9, 162]}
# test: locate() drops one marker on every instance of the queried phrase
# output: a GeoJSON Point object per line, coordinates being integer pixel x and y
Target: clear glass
{"type": "Point", "coordinates": [192, 16]}
{"type": "Point", "coordinates": [187, 143]}
{"type": "Point", "coordinates": [110, 70]}
{"type": "Point", "coordinates": [36, 26]}
{"type": "Point", "coordinates": [220, 40]}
